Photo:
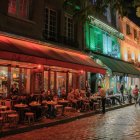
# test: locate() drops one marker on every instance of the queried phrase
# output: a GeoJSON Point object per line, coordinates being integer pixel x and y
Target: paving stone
{"type": "Point", "coordinates": [121, 124]}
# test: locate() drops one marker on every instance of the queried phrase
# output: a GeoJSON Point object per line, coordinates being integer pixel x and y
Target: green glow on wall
{"type": "Point", "coordinates": [100, 41]}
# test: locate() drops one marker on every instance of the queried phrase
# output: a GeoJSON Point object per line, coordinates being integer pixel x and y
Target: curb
{"type": "Point", "coordinates": [70, 119]}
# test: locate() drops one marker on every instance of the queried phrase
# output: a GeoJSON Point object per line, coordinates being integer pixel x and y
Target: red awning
{"type": "Point", "coordinates": [25, 50]}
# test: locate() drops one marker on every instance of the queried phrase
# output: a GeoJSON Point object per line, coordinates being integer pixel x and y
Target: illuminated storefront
{"type": "Point", "coordinates": [103, 45]}
{"type": "Point", "coordinates": [34, 66]}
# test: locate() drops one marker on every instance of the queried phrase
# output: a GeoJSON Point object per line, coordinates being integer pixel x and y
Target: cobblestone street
{"type": "Point", "coordinates": [121, 124]}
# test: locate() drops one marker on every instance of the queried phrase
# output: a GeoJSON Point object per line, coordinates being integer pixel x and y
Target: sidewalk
{"type": "Point", "coordinates": [51, 122]}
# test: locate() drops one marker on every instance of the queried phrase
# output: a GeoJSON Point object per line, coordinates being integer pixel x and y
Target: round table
{"type": "Point", "coordinates": [36, 109]}
{"type": "Point", "coordinates": [21, 109]}
{"type": "Point", "coordinates": [64, 103]}
{"type": "Point", "coordinates": [3, 107]}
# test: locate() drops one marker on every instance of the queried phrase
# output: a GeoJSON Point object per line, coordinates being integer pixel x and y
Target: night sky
{"type": "Point", "coordinates": [132, 16]}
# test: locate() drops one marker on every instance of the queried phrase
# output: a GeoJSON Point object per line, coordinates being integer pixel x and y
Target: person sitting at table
{"type": "Point", "coordinates": [63, 93]}
{"type": "Point", "coordinates": [71, 99]}
{"type": "Point", "coordinates": [14, 89]}
{"type": "Point", "coordinates": [31, 98]}
{"type": "Point", "coordinates": [49, 96]}
{"type": "Point", "coordinates": [85, 99]}
{"type": "Point", "coordinates": [43, 96]}
{"type": "Point", "coordinates": [55, 98]}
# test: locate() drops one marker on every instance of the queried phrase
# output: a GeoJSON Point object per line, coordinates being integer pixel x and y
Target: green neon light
{"type": "Point", "coordinates": [100, 41]}
{"type": "Point", "coordinates": [106, 27]}
{"type": "Point", "coordinates": [76, 6]}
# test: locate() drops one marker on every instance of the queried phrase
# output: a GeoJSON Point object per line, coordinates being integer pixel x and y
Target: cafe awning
{"type": "Point", "coordinates": [25, 50]}
{"type": "Point", "coordinates": [118, 66]}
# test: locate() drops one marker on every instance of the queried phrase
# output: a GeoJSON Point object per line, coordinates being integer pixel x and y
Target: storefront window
{"type": "Point", "coordinates": [51, 80]}
{"type": "Point", "coordinates": [46, 80]}
{"type": "Point", "coordinates": [70, 82]}
{"type": "Point", "coordinates": [15, 76]}
{"type": "Point", "coordinates": [61, 82]}
{"type": "Point", "coordinates": [28, 74]}
{"type": "Point", "coordinates": [82, 80]}
{"type": "Point", "coordinates": [23, 81]}
{"type": "Point", "coordinates": [3, 80]}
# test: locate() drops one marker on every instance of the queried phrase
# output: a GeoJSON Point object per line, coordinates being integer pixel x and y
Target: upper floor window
{"type": "Point", "coordinates": [135, 34]}
{"type": "Point", "coordinates": [69, 27]}
{"type": "Point", "coordinates": [129, 56]}
{"type": "Point", "coordinates": [128, 29]}
{"type": "Point", "coordinates": [93, 1]}
{"type": "Point", "coordinates": [19, 8]}
{"type": "Point", "coordinates": [50, 30]}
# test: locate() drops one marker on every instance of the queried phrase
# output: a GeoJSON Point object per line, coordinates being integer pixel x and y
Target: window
{"type": "Point", "coordinates": [19, 8]}
{"type": "Point", "coordinates": [50, 30]}
{"type": "Point", "coordinates": [3, 80]}
{"type": "Point", "coordinates": [127, 29]}
{"type": "Point", "coordinates": [69, 27]}
{"type": "Point", "coordinates": [129, 54]}
{"type": "Point", "coordinates": [93, 1]}
{"type": "Point", "coordinates": [135, 34]}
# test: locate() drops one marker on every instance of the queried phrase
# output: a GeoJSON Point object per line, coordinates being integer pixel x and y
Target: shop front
{"type": "Point", "coordinates": [118, 72]}
{"type": "Point", "coordinates": [35, 66]}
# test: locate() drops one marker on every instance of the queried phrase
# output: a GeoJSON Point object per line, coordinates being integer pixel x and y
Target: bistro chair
{"type": "Point", "coordinates": [96, 105]}
{"type": "Point", "coordinates": [86, 106]}
{"type": "Point", "coordinates": [13, 120]}
{"type": "Point", "coordinates": [3, 115]}
{"type": "Point", "coordinates": [59, 110]}
{"type": "Point", "coordinates": [68, 110]}
{"type": "Point", "coordinates": [29, 116]}
{"type": "Point", "coordinates": [8, 104]}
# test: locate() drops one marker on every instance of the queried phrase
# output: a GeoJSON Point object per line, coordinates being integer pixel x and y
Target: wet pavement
{"type": "Point", "coordinates": [120, 124]}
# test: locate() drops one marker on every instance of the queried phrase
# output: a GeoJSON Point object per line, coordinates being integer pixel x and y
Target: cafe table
{"type": "Point", "coordinates": [51, 108]}
{"type": "Point", "coordinates": [34, 104]}
{"type": "Point", "coordinates": [36, 109]}
{"type": "Point", "coordinates": [64, 103]}
{"type": "Point", "coordinates": [3, 107]}
{"type": "Point", "coordinates": [51, 103]}
{"type": "Point", "coordinates": [21, 110]}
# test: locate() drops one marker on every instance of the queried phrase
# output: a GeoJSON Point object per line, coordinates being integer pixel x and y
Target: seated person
{"type": "Point", "coordinates": [55, 98]}
{"type": "Point", "coordinates": [31, 98]}
{"type": "Point", "coordinates": [49, 96]}
{"type": "Point", "coordinates": [63, 93]}
{"type": "Point", "coordinates": [43, 96]}
{"type": "Point", "coordinates": [14, 91]}
{"type": "Point", "coordinates": [72, 99]}
{"type": "Point", "coordinates": [77, 94]}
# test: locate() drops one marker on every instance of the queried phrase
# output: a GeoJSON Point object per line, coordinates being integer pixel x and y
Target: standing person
{"type": "Point", "coordinates": [102, 93]}
{"type": "Point", "coordinates": [135, 93]}
{"type": "Point", "coordinates": [122, 92]}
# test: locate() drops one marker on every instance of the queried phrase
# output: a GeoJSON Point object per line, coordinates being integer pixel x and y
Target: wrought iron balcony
{"type": "Point", "coordinates": [62, 40]}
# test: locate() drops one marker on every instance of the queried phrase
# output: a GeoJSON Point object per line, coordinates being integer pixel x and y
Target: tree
{"type": "Point", "coordinates": [98, 7]}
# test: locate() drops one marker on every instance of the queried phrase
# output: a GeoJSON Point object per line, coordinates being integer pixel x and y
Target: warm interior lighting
{"type": "Point", "coordinates": [39, 66]}
{"type": "Point", "coordinates": [14, 75]}
{"type": "Point", "coordinates": [81, 72]}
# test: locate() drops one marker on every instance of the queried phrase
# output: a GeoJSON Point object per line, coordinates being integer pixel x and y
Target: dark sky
{"type": "Point", "coordinates": [132, 16]}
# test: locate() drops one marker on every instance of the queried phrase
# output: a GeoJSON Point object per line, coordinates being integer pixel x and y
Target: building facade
{"type": "Point", "coordinates": [106, 44]}
{"type": "Point", "coordinates": [39, 44]}
{"type": "Point", "coordinates": [130, 47]}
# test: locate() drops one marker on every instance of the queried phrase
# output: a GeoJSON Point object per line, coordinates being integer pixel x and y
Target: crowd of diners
{"type": "Point", "coordinates": [78, 100]}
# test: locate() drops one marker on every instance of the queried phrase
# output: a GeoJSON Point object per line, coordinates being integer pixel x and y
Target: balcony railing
{"type": "Point", "coordinates": [62, 40]}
